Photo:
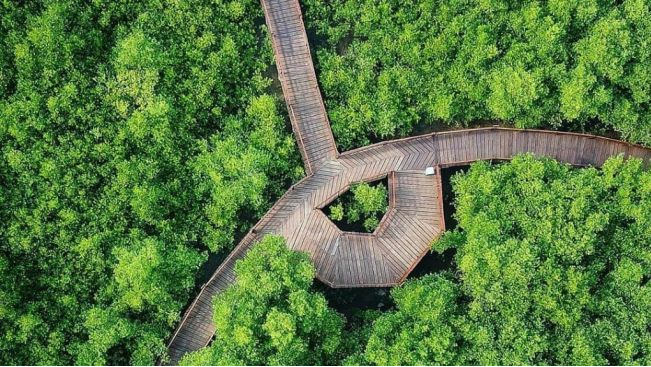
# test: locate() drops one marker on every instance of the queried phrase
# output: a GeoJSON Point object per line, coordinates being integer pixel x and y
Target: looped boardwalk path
{"type": "Point", "coordinates": [415, 216]}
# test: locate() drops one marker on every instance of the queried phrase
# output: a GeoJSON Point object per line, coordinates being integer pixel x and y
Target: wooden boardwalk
{"type": "Point", "coordinates": [299, 83]}
{"type": "Point", "coordinates": [415, 217]}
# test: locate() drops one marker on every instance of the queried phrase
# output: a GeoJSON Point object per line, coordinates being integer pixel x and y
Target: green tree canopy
{"type": "Point", "coordinates": [389, 67]}
{"type": "Point", "coordinates": [269, 316]}
{"type": "Point", "coordinates": [422, 330]}
{"type": "Point", "coordinates": [555, 262]}
{"type": "Point", "coordinates": [553, 265]}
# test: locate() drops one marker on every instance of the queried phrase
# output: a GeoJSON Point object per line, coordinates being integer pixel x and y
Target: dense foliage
{"type": "Point", "coordinates": [421, 331]}
{"type": "Point", "coordinates": [134, 136]}
{"type": "Point", "coordinates": [363, 206]}
{"type": "Point", "coordinates": [553, 268]}
{"type": "Point", "coordinates": [388, 67]}
{"type": "Point", "coordinates": [556, 262]}
{"type": "Point", "coordinates": [269, 316]}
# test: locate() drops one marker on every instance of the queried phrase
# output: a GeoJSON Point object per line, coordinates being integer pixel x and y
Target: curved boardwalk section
{"type": "Point", "coordinates": [299, 84]}
{"type": "Point", "coordinates": [354, 259]}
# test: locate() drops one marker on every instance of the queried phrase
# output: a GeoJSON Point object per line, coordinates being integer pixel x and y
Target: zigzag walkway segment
{"type": "Point", "coordinates": [415, 215]}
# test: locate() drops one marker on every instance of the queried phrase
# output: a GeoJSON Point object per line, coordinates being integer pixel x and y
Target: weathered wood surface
{"type": "Point", "coordinates": [299, 83]}
{"type": "Point", "coordinates": [350, 260]}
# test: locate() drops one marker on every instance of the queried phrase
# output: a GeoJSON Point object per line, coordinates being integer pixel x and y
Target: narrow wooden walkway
{"type": "Point", "coordinates": [299, 83]}
{"type": "Point", "coordinates": [415, 217]}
